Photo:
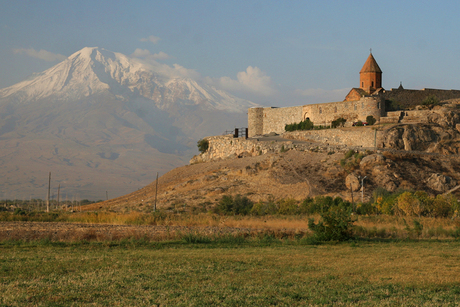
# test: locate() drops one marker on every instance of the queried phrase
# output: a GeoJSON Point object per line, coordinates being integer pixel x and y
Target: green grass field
{"type": "Point", "coordinates": [228, 274]}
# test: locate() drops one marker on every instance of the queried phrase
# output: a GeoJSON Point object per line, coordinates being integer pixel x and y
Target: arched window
{"type": "Point", "coordinates": [320, 111]}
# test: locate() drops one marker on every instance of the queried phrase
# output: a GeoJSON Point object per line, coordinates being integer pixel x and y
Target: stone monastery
{"type": "Point", "coordinates": [368, 99]}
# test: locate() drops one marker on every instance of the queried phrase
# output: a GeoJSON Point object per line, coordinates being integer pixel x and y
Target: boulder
{"type": "Point", "coordinates": [352, 181]}
{"type": "Point", "coordinates": [444, 117]}
{"type": "Point", "coordinates": [440, 183]}
{"type": "Point", "coordinates": [384, 178]}
{"type": "Point", "coordinates": [372, 160]}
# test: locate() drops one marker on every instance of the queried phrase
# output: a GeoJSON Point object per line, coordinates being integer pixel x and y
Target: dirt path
{"type": "Point", "coordinates": [57, 231]}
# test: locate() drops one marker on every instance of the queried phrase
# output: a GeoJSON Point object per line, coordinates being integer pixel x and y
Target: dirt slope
{"type": "Point", "coordinates": [296, 174]}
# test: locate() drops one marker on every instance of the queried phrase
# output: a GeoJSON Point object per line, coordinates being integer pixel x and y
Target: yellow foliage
{"type": "Point", "coordinates": [407, 204]}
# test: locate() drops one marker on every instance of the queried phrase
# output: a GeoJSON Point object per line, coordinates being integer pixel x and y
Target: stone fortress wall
{"type": "Point", "coordinates": [367, 100]}
{"type": "Point", "coordinates": [407, 97]}
{"type": "Point", "coordinates": [265, 120]}
{"type": "Point", "coordinates": [338, 139]}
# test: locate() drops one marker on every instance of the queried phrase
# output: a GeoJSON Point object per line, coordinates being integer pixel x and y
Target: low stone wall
{"type": "Point", "coordinates": [352, 137]}
{"type": "Point", "coordinates": [228, 147]}
{"type": "Point", "coordinates": [337, 140]}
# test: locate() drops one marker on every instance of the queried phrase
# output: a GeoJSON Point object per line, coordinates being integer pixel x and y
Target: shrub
{"type": "Point", "coordinates": [307, 206]}
{"type": "Point", "coordinates": [335, 225]}
{"type": "Point", "coordinates": [339, 122]}
{"type": "Point", "coordinates": [349, 154]}
{"type": "Point", "coordinates": [288, 206]}
{"type": "Point", "coordinates": [407, 204]}
{"type": "Point", "coordinates": [240, 205]}
{"type": "Point", "coordinates": [19, 211]}
{"type": "Point", "coordinates": [392, 105]}
{"type": "Point", "coordinates": [430, 101]}
{"type": "Point", "coordinates": [359, 123]}
{"type": "Point", "coordinates": [323, 203]}
{"type": "Point", "coordinates": [203, 145]}
{"type": "Point", "coordinates": [303, 125]}
{"type": "Point", "coordinates": [442, 205]}
{"type": "Point", "coordinates": [365, 209]}
{"type": "Point", "coordinates": [370, 120]}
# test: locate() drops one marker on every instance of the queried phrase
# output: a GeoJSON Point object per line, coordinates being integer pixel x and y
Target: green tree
{"type": "Point", "coordinates": [335, 225]}
{"type": "Point", "coordinates": [430, 101]}
{"type": "Point", "coordinates": [203, 145]}
{"type": "Point", "coordinates": [288, 206]}
{"type": "Point", "coordinates": [370, 120]}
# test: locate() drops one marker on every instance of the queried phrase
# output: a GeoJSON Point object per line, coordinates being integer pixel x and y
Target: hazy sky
{"type": "Point", "coordinates": [271, 52]}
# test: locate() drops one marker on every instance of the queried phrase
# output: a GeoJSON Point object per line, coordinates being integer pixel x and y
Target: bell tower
{"type": "Point", "coordinates": [370, 76]}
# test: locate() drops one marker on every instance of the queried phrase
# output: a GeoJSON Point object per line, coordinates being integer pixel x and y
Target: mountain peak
{"type": "Point", "coordinates": [94, 70]}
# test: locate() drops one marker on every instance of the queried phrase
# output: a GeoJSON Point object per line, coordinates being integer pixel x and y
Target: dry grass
{"type": "Point", "coordinates": [390, 274]}
{"type": "Point", "coordinates": [108, 226]}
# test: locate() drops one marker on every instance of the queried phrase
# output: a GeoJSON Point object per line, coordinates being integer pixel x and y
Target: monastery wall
{"type": "Point", "coordinates": [265, 120]}
{"type": "Point", "coordinates": [337, 140]}
{"type": "Point", "coordinates": [415, 97]}
{"type": "Point", "coordinates": [366, 137]}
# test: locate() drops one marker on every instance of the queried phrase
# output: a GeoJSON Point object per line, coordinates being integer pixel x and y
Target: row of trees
{"type": "Point", "coordinates": [400, 203]}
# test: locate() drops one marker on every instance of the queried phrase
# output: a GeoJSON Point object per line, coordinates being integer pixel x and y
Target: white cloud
{"type": "Point", "coordinates": [175, 71]}
{"type": "Point", "coordinates": [42, 54]}
{"type": "Point", "coordinates": [151, 38]}
{"type": "Point", "coordinates": [253, 81]}
{"type": "Point", "coordinates": [144, 53]}
{"type": "Point", "coordinates": [181, 71]}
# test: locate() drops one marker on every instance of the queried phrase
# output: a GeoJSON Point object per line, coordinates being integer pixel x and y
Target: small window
{"type": "Point", "coordinates": [320, 111]}
{"type": "Point", "coordinates": [335, 110]}
{"type": "Point", "coordinates": [362, 84]}
{"type": "Point", "coordinates": [372, 84]}
{"type": "Point", "coordinates": [355, 108]}
{"type": "Point", "coordinates": [378, 105]}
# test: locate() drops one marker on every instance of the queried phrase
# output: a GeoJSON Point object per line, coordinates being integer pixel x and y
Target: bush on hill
{"type": "Point", "coordinates": [203, 145]}
{"type": "Point", "coordinates": [303, 125]}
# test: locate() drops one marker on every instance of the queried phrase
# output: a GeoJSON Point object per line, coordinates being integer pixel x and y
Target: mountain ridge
{"type": "Point", "coordinates": [104, 120]}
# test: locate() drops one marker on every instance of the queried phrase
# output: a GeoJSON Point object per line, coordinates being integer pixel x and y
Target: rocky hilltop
{"type": "Point", "coordinates": [415, 156]}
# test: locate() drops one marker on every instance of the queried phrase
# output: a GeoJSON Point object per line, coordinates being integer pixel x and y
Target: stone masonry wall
{"type": "Point", "coordinates": [255, 121]}
{"type": "Point", "coordinates": [324, 113]}
{"type": "Point", "coordinates": [338, 140]}
{"type": "Point", "coordinates": [266, 120]}
{"type": "Point", "coordinates": [353, 137]}
{"type": "Point", "coordinates": [415, 97]}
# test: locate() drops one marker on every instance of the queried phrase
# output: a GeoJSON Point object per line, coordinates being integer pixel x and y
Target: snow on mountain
{"type": "Point", "coordinates": [95, 70]}
{"type": "Point", "coordinates": [104, 121]}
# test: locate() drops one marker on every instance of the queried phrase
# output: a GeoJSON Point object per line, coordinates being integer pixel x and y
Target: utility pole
{"type": "Point", "coordinates": [48, 198]}
{"type": "Point", "coordinates": [362, 189]}
{"type": "Point", "coordinates": [156, 192]}
{"type": "Point", "coordinates": [352, 201]}
{"type": "Point", "coordinates": [59, 191]}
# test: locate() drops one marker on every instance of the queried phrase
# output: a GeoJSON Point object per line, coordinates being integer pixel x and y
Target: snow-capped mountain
{"type": "Point", "coordinates": [105, 121]}
{"type": "Point", "coordinates": [95, 70]}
